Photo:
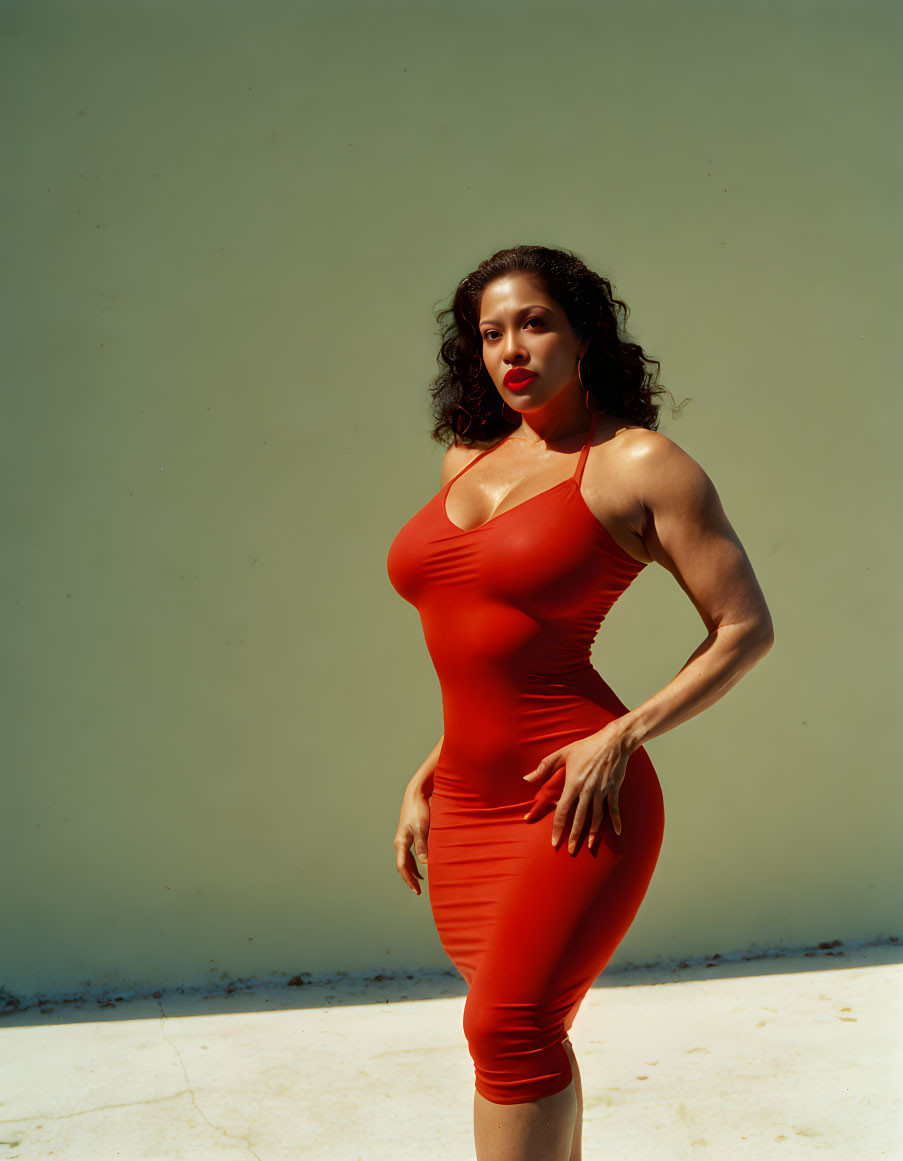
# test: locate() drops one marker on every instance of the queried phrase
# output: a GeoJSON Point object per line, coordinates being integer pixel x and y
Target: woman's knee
{"type": "Point", "coordinates": [516, 1048]}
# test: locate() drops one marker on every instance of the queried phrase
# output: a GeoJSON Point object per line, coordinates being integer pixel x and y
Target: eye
{"type": "Point", "coordinates": [533, 318]}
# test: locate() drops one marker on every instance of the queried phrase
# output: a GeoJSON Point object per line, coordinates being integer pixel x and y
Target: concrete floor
{"type": "Point", "coordinates": [785, 1057]}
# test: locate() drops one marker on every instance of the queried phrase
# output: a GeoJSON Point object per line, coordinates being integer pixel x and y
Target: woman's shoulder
{"type": "Point", "coordinates": [650, 462]}
{"type": "Point", "coordinates": [459, 455]}
{"type": "Point", "coordinates": [633, 445]}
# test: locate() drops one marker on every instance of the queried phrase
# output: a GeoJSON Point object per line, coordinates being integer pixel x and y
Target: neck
{"type": "Point", "coordinates": [559, 429]}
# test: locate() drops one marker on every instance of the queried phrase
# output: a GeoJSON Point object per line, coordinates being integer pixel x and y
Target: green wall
{"type": "Point", "coordinates": [227, 229]}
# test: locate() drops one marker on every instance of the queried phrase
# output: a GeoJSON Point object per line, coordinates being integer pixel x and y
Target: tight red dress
{"type": "Point", "coordinates": [510, 610]}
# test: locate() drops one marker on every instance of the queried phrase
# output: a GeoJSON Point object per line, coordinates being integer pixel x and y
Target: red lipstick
{"type": "Point", "coordinates": [518, 375]}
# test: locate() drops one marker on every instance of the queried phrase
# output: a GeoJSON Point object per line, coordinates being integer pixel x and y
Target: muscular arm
{"type": "Point", "coordinates": [685, 530]}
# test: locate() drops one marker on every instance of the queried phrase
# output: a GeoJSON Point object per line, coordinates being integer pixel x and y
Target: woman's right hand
{"type": "Point", "coordinates": [413, 828]}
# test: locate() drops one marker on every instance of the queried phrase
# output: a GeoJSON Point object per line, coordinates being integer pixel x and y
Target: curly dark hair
{"type": "Point", "coordinates": [614, 369]}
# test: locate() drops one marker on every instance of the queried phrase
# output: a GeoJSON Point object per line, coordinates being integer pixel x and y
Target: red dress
{"type": "Point", "coordinates": [510, 610]}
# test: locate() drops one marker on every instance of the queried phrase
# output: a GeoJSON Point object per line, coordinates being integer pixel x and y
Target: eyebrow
{"type": "Point", "coordinates": [536, 306]}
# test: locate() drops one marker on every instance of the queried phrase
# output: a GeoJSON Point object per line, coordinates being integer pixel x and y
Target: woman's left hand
{"type": "Point", "coordinates": [593, 769]}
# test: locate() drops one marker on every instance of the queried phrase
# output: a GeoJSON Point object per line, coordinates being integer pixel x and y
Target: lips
{"type": "Point", "coordinates": [518, 375]}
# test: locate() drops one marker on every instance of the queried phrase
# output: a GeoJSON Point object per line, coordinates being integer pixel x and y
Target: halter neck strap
{"type": "Point", "coordinates": [578, 474]}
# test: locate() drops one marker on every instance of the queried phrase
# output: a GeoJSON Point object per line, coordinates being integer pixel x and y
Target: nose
{"type": "Point", "coordinates": [513, 350]}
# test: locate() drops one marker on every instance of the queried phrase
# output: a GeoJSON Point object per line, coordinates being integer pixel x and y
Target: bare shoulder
{"type": "Point", "coordinates": [633, 443]}
{"type": "Point", "coordinates": [458, 456]}
{"type": "Point", "coordinates": [654, 465]}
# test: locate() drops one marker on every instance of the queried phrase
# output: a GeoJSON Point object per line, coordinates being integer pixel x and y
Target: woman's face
{"type": "Point", "coordinates": [522, 327]}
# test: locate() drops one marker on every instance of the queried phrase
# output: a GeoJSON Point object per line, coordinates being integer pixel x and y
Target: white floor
{"type": "Point", "coordinates": [787, 1057]}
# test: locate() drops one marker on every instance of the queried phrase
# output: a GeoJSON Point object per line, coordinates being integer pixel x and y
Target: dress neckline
{"type": "Point", "coordinates": [571, 480]}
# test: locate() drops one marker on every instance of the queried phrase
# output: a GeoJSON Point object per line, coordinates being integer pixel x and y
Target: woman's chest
{"type": "Point", "coordinates": [548, 556]}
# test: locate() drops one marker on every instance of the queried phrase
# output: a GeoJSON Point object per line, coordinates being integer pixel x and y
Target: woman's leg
{"type": "Point", "coordinates": [537, 1129]}
{"type": "Point", "coordinates": [576, 1153]}
{"type": "Point", "coordinates": [557, 922]}
{"type": "Point", "coordinates": [541, 1130]}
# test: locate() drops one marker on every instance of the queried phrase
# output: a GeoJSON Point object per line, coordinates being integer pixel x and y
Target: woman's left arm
{"type": "Point", "coordinates": [685, 530]}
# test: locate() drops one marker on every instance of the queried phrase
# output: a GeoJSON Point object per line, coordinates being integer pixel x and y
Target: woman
{"type": "Point", "coordinates": [513, 565]}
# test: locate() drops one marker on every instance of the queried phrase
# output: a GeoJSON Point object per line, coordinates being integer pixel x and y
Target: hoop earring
{"type": "Point", "coordinates": [589, 407]}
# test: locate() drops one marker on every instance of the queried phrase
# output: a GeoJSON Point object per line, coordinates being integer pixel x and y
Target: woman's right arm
{"type": "Point", "coordinates": [423, 779]}
{"type": "Point", "coordinates": [414, 820]}
{"type": "Point", "coordinates": [414, 817]}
